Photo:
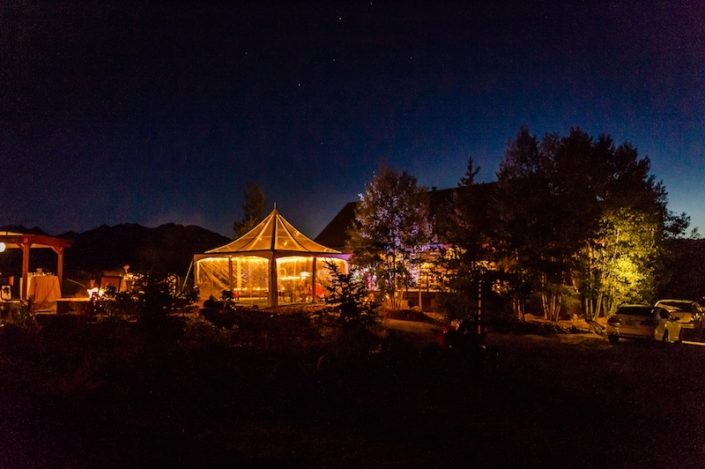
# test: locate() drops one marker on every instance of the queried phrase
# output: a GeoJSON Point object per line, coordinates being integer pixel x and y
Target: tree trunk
{"type": "Point", "coordinates": [599, 306]}
{"type": "Point", "coordinates": [519, 308]}
{"type": "Point", "coordinates": [551, 303]}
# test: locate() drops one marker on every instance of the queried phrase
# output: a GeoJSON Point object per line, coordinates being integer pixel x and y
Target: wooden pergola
{"type": "Point", "coordinates": [26, 242]}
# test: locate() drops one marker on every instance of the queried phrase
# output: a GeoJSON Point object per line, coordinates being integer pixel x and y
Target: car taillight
{"type": "Point", "coordinates": [614, 321]}
{"type": "Point", "coordinates": [650, 322]}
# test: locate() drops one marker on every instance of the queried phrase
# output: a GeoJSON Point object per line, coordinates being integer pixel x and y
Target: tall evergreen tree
{"type": "Point", "coordinates": [522, 207]}
{"type": "Point", "coordinates": [253, 208]}
{"type": "Point", "coordinates": [461, 261]}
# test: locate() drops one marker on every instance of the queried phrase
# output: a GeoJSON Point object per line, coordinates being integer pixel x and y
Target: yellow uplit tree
{"type": "Point", "coordinates": [620, 262]}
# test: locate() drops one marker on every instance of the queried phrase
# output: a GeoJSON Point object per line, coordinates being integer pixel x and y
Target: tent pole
{"type": "Point", "coordinates": [238, 274]}
{"type": "Point", "coordinates": [273, 290]}
{"type": "Point", "coordinates": [230, 273]}
{"type": "Point", "coordinates": [314, 274]}
{"type": "Point", "coordinates": [188, 272]}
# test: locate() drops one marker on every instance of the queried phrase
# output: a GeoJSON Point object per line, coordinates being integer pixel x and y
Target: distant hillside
{"type": "Point", "coordinates": [166, 248]}
{"type": "Point", "coordinates": [22, 229]}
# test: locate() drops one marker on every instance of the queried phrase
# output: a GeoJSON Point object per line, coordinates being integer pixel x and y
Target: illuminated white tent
{"type": "Point", "coordinates": [274, 263]}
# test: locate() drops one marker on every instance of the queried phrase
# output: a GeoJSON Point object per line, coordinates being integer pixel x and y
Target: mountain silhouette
{"type": "Point", "coordinates": [167, 248]}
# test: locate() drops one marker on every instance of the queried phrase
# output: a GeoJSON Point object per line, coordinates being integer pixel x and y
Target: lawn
{"type": "Point", "coordinates": [115, 395]}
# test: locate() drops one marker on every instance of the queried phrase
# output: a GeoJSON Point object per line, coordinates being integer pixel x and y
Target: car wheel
{"type": "Point", "coordinates": [613, 339]}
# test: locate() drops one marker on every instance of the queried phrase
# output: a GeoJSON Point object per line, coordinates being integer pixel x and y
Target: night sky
{"type": "Point", "coordinates": [116, 112]}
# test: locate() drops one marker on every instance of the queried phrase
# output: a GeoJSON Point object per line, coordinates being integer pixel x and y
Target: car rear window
{"type": "Point", "coordinates": [635, 310]}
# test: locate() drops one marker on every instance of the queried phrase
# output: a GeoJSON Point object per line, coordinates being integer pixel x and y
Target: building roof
{"type": "Point", "coordinates": [335, 234]}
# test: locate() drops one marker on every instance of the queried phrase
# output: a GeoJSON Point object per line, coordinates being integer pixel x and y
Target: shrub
{"type": "Point", "coordinates": [200, 333]}
{"type": "Point", "coordinates": [150, 301]}
{"type": "Point", "coordinates": [21, 316]}
{"type": "Point", "coordinates": [349, 294]}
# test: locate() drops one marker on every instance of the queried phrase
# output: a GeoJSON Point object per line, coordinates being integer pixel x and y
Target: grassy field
{"type": "Point", "coordinates": [280, 394]}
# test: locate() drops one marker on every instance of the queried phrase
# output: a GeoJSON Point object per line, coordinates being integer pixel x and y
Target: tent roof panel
{"type": "Point", "coordinates": [273, 234]}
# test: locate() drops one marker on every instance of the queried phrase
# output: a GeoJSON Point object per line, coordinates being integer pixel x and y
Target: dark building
{"type": "Point", "coordinates": [440, 204]}
{"type": "Point", "coordinates": [335, 234]}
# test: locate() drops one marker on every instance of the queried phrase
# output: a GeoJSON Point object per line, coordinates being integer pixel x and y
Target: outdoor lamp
{"type": "Point", "coordinates": [2, 247]}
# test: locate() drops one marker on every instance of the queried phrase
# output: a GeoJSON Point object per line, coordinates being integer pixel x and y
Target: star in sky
{"type": "Point", "coordinates": [143, 112]}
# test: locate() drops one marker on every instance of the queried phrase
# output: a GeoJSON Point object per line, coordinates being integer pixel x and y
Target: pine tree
{"type": "Point", "coordinates": [253, 209]}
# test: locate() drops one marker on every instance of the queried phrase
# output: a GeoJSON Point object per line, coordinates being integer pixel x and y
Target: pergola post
{"type": "Point", "coordinates": [25, 245]}
{"type": "Point", "coordinates": [59, 263]}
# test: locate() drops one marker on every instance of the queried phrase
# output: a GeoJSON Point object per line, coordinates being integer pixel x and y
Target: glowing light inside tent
{"type": "Point", "coordinates": [251, 259]}
{"type": "Point", "coordinates": [290, 259]}
{"type": "Point", "coordinates": [258, 266]}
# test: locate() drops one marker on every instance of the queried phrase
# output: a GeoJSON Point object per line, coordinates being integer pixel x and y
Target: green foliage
{"type": "Point", "coordinates": [460, 302]}
{"type": "Point", "coordinates": [391, 226]}
{"type": "Point", "coordinates": [463, 265]}
{"type": "Point", "coordinates": [150, 301]}
{"type": "Point", "coordinates": [121, 305]}
{"type": "Point", "coordinates": [348, 292]}
{"type": "Point", "coordinates": [465, 232]}
{"type": "Point", "coordinates": [471, 173]}
{"type": "Point", "coordinates": [685, 267]}
{"type": "Point", "coordinates": [200, 333]}
{"type": "Point", "coordinates": [579, 212]}
{"type": "Point", "coordinates": [20, 316]}
{"type": "Point", "coordinates": [521, 225]}
{"type": "Point", "coordinates": [253, 209]}
{"type": "Point", "coordinates": [619, 263]}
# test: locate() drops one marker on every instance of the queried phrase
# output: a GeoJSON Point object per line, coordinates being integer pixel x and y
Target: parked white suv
{"type": "Point", "coordinates": [688, 312]}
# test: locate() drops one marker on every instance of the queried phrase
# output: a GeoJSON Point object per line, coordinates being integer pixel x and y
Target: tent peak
{"type": "Point", "coordinates": [273, 234]}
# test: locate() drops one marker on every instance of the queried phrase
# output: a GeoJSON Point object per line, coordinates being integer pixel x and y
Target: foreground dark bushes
{"type": "Point", "coordinates": [515, 326]}
{"type": "Point", "coordinates": [119, 394]}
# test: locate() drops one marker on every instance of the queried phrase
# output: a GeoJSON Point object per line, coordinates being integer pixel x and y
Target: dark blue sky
{"type": "Point", "coordinates": [152, 114]}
